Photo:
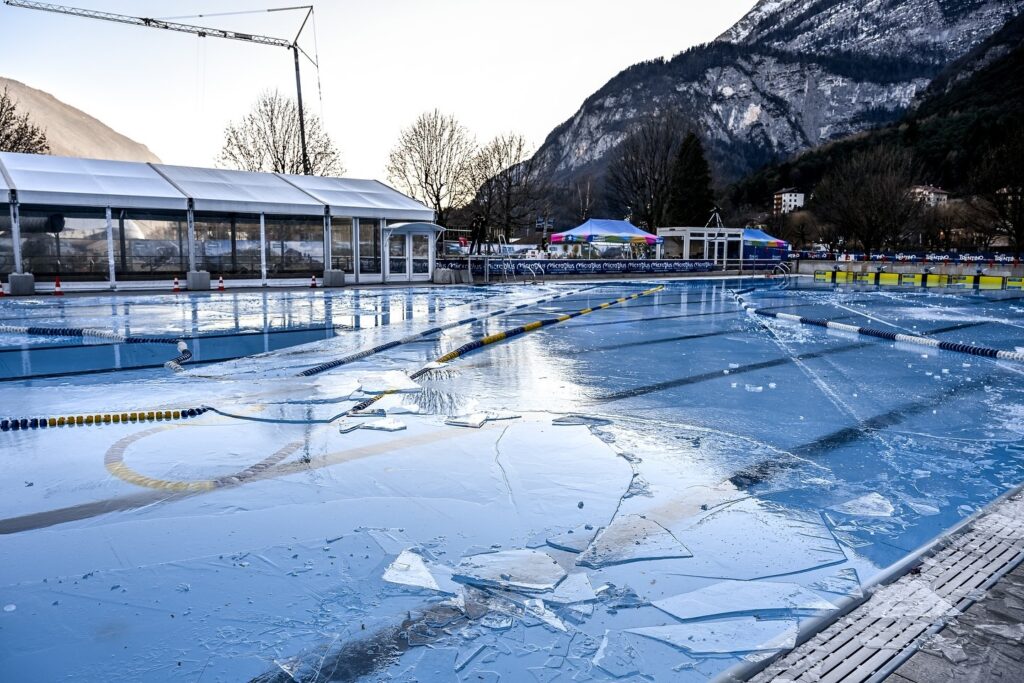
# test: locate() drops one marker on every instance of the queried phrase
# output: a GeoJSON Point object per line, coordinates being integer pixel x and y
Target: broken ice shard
{"type": "Point", "coordinates": [575, 540]}
{"type": "Point", "coordinates": [618, 656]}
{"type": "Point", "coordinates": [843, 582]}
{"type": "Point", "coordinates": [410, 569]}
{"type": "Point", "coordinates": [391, 381]}
{"type": "Point", "coordinates": [574, 589]}
{"type": "Point", "coordinates": [632, 538]}
{"type": "Point", "coordinates": [522, 569]}
{"type": "Point", "coordinates": [740, 634]}
{"type": "Point", "coordinates": [388, 424]}
{"type": "Point", "coordinates": [588, 420]}
{"type": "Point", "coordinates": [870, 505]}
{"type": "Point", "coordinates": [743, 597]}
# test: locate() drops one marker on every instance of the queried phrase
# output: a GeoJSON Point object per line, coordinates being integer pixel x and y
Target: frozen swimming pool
{"type": "Point", "coordinates": [684, 484]}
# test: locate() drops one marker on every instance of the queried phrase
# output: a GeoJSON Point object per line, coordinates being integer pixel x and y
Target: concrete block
{"type": "Point", "coordinates": [467, 276]}
{"type": "Point", "coordinates": [334, 278]}
{"type": "Point", "coordinates": [22, 284]}
{"type": "Point", "coordinates": [198, 281]}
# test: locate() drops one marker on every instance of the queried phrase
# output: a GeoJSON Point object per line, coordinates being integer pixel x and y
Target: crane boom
{"type": "Point", "coordinates": [200, 31]}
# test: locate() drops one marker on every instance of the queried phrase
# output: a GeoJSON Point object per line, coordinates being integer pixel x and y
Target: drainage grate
{"type": "Point", "coordinates": [864, 645]}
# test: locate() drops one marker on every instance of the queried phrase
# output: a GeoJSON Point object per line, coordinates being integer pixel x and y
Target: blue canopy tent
{"type": "Point", "coordinates": [605, 231]}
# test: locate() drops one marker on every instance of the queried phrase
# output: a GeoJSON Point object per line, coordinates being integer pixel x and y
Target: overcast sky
{"type": "Point", "coordinates": [498, 65]}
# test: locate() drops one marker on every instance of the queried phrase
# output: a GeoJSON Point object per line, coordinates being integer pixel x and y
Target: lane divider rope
{"type": "Point", "coordinates": [16, 424]}
{"type": "Point", "coordinates": [969, 349]}
{"type": "Point", "coordinates": [184, 355]}
{"type": "Point", "coordinates": [330, 365]}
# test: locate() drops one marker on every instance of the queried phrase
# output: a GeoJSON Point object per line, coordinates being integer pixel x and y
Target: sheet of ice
{"type": "Point", "coordinates": [843, 582]}
{"type": "Point", "coordinates": [870, 505]}
{"type": "Point", "coordinates": [756, 539]}
{"type": "Point", "coordinates": [632, 538]}
{"type": "Point", "coordinates": [388, 424]}
{"type": "Point", "coordinates": [574, 589]}
{"type": "Point", "coordinates": [722, 636]}
{"type": "Point", "coordinates": [740, 597]}
{"type": "Point", "coordinates": [389, 381]}
{"type": "Point", "coordinates": [588, 420]}
{"type": "Point", "coordinates": [521, 569]}
{"type": "Point", "coordinates": [411, 569]}
{"type": "Point", "coordinates": [575, 540]}
{"type": "Point", "coordinates": [618, 656]}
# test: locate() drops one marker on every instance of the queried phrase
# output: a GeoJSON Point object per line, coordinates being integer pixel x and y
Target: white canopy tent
{"type": "Point", "coordinates": [41, 184]}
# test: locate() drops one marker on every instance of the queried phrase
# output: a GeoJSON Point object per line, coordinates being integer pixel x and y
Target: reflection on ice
{"type": "Point", "coordinates": [740, 634]}
{"type": "Point", "coordinates": [632, 538]}
{"type": "Point", "coordinates": [736, 597]}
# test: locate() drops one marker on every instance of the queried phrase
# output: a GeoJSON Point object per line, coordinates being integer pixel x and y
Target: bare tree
{"type": "Point", "coordinates": [432, 162]}
{"type": "Point", "coordinates": [509, 189]}
{"type": "Point", "coordinates": [640, 173]}
{"type": "Point", "coordinates": [999, 182]}
{"type": "Point", "coordinates": [867, 198]}
{"type": "Point", "coordinates": [267, 139]}
{"type": "Point", "coordinates": [17, 132]}
{"type": "Point", "coordinates": [584, 195]}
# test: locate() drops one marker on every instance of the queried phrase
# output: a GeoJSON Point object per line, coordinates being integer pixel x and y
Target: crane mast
{"type": "Point", "coordinates": [202, 32]}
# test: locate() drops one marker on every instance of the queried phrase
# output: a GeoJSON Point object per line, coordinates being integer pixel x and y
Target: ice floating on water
{"type": "Point", "coordinates": [388, 424]}
{"type": "Point", "coordinates": [754, 388]}
{"type": "Point", "coordinates": [10, 608]}
{"type": "Point", "coordinates": [632, 538]}
{"type": "Point", "coordinates": [348, 425]}
{"type": "Point", "coordinates": [575, 540]}
{"type": "Point", "coordinates": [391, 381]}
{"type": "Point", "coordinates": [741, 634]}
{"type": "Point", "coordinates": [736, 597]}
{"type": "Point", "coordinates": [410, 569]}
{"type": "Point", "coordinates": [588, 420]}
{"type": "Point", "coordinates": [478, 419]}
{"type": "Point", "coordinates": [870, 505]}
{"type": "Point", "coordinates": [522, 569]}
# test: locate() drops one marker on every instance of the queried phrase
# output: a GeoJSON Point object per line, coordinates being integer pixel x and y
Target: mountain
{"type": "Point", "coordinates": [790, 75]}
{"type": "Point", "coordinates": [72, 132]}
{"type": "Point", "coordinates": [969, 109]}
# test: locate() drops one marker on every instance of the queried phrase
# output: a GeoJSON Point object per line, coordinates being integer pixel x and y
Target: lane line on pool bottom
{"type": "Point", "coordinates": [969, 349]}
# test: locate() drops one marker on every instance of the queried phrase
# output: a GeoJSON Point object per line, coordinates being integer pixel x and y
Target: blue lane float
{"type": "Point", "coordinates": [184, 355]}
{"type": "Point", "coordinates": [969, 349]}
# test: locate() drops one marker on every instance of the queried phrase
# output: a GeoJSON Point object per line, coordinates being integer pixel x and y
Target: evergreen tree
{"type": "Point", "coordinates": [690, 197]}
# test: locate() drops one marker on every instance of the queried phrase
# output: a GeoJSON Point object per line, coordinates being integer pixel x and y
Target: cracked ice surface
{"type": "Point", "coordinates": [656, 489]}
{"type": "Point", "coordinates": [741, 634]}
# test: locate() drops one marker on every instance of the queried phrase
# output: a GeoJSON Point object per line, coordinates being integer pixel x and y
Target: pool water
{"type": "Point", "coordinates": [657, 490]}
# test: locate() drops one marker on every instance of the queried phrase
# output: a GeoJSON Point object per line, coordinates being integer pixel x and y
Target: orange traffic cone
{"type": "Point", "coordinates": [177, 287]}
{"type": "Point", "coordinates": [220, 284]}
{"type": "Point", "coordinates": [312, 281]}
{"type": "Point", "coordinates": [56, 288]}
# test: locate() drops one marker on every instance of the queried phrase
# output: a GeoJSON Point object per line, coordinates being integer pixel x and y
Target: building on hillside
{"type": "Point", "coordinates": [932, 196]}
{"type": "Point", "coordinates": [787, 200]}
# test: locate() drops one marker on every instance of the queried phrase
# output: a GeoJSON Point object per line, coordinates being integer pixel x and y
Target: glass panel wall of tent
{"type": "Point", "coordinates": [72, 242]}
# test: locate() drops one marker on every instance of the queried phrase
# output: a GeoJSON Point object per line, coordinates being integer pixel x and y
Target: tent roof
{"type": "Point", "coordinates": [414, 226]}
{"type": "Point", "coordinates": [598, 229]}
{"type": "Point", "coordinates": [70, 181]}
{"type": "Point", "coordinates": [755, 235]}
{"type": "Point", "coordinates": [218, 189]}
{"type": "Point", "coordinates": [64, 181]}
{"type": "Point", "coordinates": [361, 198]}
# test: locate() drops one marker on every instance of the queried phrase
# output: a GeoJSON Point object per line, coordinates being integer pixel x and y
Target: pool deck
{"type": "Point", "coordinates": [958, 615]}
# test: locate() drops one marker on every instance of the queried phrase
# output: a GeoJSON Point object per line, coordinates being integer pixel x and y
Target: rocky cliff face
{"type": "Point", "coordinates": [788, 76]}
